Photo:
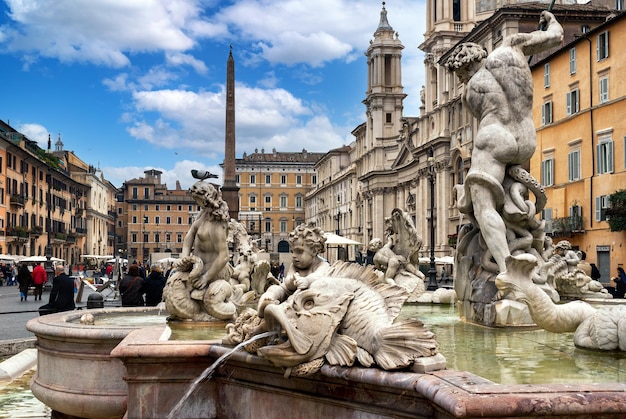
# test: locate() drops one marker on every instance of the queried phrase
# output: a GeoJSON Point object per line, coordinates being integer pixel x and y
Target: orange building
{"type": "Point", "coordinates": [579, 108]}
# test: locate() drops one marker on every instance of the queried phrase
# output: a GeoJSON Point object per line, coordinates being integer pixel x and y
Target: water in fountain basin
{"type": "Point", "coordinates": [513, 355]}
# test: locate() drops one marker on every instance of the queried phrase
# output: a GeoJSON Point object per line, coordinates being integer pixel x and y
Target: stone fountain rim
{"type": "Point", "coordinates": [67, 323]}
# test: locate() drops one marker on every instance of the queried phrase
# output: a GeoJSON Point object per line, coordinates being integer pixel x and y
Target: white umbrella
{"type": "Point", "coordinates": [7, 257]}
{"type": "Point", "coordinates": [445, 260]}
{"type": "Point", "coordinates": [40, 259]}
{"type": "Point", "coordinates": [334, 239]}
{"type": "Point", "coordinates": [115, 260]}
{"type": "Point", "coordinates": [97, 256]}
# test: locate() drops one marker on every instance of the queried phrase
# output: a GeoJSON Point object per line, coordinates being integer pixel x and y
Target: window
{"type": "Point", "coordinates": [456, 10]}
{"type": "Point", "coordinates": [388, 118]}
{"type": "Point", "coordinates": [134, 219]}
{"type": "Point", "coordinates": [268, 226]}
{"type": "Point", "coordinates": [146, 193]}
{"type": "Point", "coordinates": [252, 179]}
{"type": "Point", "coordinates": [237, 179]}
{"type": "Point", "coordinates": [134, 207]}
{"type": "Point", "coordinates": [283, 226]}
{"type": "Point", "coordinates": [604, 151]}
{"type": "Point", "coordinates": [168, 220]}
{"type": "Point", "coordinates": [572, 60]}
{"type": "Point", "coordinates": [283, 201]}
{"type": "Point", "coordinates": [283, 179]}
{"type": "Point", "coordinates": [168, 208]}
{"type": "Point", "coordinates": [157, 220]}
{"type": "Point", "coordinates": [145, 207]}
{"type": "Point", "coordinates": [546, 113]}
{"type": "Point", "coordinates": [268, 179]}
{"type": "Point", "coordinates": [180, 220]}
{"type": "Point", "coordinates": [604, 89]}
{"type": "Point", "coordinates": [268, 203]}
{"type": "Point", "coordinates": [146, 239]}
{"type": "Point", "coordinates": [133, 237]}
{"type": "Point", "coordinates": [180, 208]}
{"type": "Point", "coordinates": [314, 179]}
{"type": "Point", "coordinates": [299, 180]}
{"type": "Point", "coordinates": [619, 4]}
{"type": "Point", "coordinates": [602, 46]}
{"type": "Point", "coordinates": [573, 102]}
{"type": "Point", "coordinates": [546, 75]}
{"type": "Point", "coordinates": [134, 194]}
{"type": "Point", "coordinates": [157, 237]}
{"type": "Point", "coordinates": [179, 238]}
{"type": "Point", "coordinates": [547, 172]}
{"type": "Point", "coordinates": [602, 204]}
{"type": "Point", "coordinates": [573, 165]}
{"type": "Point", "coordinates": [157, 207]}
{"type": "Point", "coordinates": [252, 202]}
{"type": "Point", "coordinates": [298, 201]}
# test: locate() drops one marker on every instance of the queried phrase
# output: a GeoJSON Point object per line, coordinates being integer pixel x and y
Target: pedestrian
{"type": "Point", "coordinates": [61, 294]}
{"type": "Point", "coordinates": [154, 286]}
{"type": "Point", "coordinates": [595, 272]}
{"type": "Point", "coordinates": [620, 283]}
{"type": "Point", "coordinates": [24, 279]}
{"type": "Point", "coordinates": [132, 288]}
{"type": "Point", "coordinates": [39, 278]}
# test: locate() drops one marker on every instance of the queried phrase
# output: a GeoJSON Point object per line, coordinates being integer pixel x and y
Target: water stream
{"type": "Point", "coordinates": [206, 374]}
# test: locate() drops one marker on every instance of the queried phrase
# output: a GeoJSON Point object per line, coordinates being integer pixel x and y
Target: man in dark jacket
{"type": "Point", "coordinates": [61, 295]}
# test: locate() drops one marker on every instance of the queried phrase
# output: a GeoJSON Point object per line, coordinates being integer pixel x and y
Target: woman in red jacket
{"type": "Point", "coordinates": [39, 278]}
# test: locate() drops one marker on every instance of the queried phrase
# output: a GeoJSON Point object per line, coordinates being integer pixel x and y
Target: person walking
{"type": "Point", "coordinates": [61, 294]}
{"type": "Point", "coordinates": [154, 286]}
{"type": "Point", "coordinates": [620, 283]}
{"type": "Point", "coordinates": [24, 279]}
{"type": "Point", "coordinates": [39, 278]}
{"type": "Point", "coordinates": [132, 288]}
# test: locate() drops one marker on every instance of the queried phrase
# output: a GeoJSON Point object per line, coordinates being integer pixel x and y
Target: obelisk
{"type": "Point", "coordinates": [230, 190]}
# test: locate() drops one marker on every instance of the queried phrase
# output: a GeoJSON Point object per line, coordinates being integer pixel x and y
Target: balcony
{"type": "Point", "coordinates": [81, 231]}
{"type": "Point", "coordinates": [17, 200]}
{"type": "Point", "coordinates": [17, 234]}
{"type": "Point", "coordinates": [59, 238]}
{"type": "Point", "coordinates": [566, 226]}
{"type": "Point", "coordinates": [36, 231]}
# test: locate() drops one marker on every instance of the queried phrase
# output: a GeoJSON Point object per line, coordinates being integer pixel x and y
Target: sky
{"type": "Point", "coordinates": [132, 85]}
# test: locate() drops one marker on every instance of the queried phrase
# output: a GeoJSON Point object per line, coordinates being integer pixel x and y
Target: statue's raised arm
{"type": "Point", "coordinates": [549, 36]}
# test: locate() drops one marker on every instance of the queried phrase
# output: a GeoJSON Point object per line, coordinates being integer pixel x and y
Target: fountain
{"type": "Point", "coordinates": [338, 347]}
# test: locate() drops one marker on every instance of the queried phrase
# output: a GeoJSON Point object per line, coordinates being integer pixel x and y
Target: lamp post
{"type": "Point", "coordinates": [432, 272]}
{"type": "Point", "coordinates": [49, 270]}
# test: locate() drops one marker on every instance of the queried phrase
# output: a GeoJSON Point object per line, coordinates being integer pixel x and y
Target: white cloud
{"type": "Point", "coordinates": [181, 172]}
{"type": "Point", "coordinates": [35, 132]}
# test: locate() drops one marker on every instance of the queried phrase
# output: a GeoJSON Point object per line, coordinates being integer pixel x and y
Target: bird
{"type": "Point", "coordinates": [202, 174]}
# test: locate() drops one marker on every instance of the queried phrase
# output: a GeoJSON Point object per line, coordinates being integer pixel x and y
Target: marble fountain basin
{"type": "Point", "coordinates": [143, 370]}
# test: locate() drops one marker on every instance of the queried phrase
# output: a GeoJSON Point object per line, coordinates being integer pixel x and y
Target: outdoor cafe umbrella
{"type": "Point", "coordinates": [37, 259]}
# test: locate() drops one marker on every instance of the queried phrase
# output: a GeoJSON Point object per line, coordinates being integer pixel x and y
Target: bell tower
{"type": "Point", "coordinates": [385, 93]}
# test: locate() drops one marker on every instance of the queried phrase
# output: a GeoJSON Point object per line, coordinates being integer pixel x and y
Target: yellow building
{"type": "Point", "coordinates": [579, 108]}
{"type": "Point", "coordinates": [272, 187]}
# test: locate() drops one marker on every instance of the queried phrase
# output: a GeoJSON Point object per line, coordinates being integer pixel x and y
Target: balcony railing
{"type": "Point", "coordinates": [17, 200]}
{"type": "Point", "coordinates": [567, 226]}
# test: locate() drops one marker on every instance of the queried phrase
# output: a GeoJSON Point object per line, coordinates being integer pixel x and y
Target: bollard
{"type": "Point", "coordinates": [95, 300]}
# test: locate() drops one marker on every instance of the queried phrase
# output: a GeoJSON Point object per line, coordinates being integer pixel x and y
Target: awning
{"type": "Point", "coordinates": [335, 240]}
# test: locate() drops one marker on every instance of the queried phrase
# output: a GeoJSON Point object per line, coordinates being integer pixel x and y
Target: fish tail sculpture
{"type": "Point", "coordinates": [556, 318]}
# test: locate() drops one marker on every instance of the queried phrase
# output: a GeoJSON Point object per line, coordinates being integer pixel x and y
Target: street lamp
{"type": "Point", "coordinates": [49, 270]}
{"type": "Point", "coordinates": [432, 272]}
